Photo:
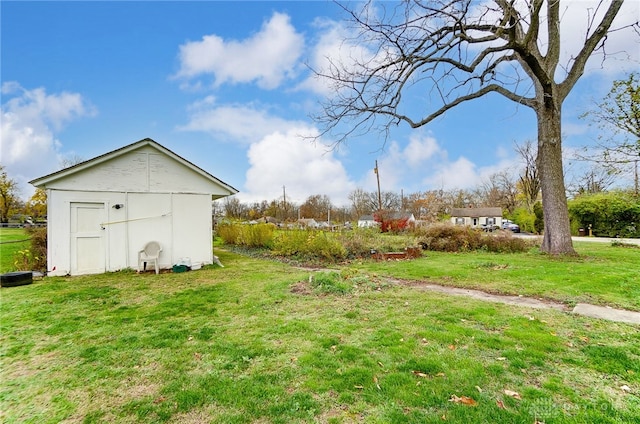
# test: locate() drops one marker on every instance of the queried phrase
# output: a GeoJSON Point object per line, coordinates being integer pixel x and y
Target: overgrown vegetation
{"type": "Point", "coordinates": [608, 214]}
{"type": "Point", "coordinates": [23, 249]}
{"type": "Point", "coordinates": [445, 237]}
{"type": "Point", "coordinates": [307, 244]}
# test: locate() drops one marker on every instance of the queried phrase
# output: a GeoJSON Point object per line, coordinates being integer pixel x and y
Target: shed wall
{"type": "Point", "coordinates": [145, 170]}
{"type": "Point", "coordinates": [180, 222]}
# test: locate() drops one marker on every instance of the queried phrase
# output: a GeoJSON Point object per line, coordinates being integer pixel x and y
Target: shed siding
{"type": "Point", "coordinates": [192, 241]}
{"type": "Point", "coordinates": [144, 170]}
{"type": "Point", "coordinates": [181, 223]}
{"type": "Point", "coordinates": [124, 199]}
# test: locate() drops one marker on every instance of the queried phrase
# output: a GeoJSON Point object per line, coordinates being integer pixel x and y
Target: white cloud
{"type": "Point", "coordinates": [30, 119]}
{"type": "Point", "coordinates": [285, 158]}
{"type": "Point", "coordinates": [336, 47]}
{"type": "Point", "coordinates": [459, 174]}
{"type": "Point", "coordinates": [267, 57]}
{"type": "Point", "coordinates": [405, 167]}
{"type": "Point", "coordinates": [242, 123]}
{"type": "Point", "coordinates": [623, 54]}
{"type": "Point", "coordinates": [419, 150]}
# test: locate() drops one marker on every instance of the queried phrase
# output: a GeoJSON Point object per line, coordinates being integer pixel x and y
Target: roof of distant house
{"type": "Point", "coordinates": [476, 212]}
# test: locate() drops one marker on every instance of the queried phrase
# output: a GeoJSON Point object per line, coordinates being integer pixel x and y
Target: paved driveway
{"type": "Point", "coordinates": [588, 239]}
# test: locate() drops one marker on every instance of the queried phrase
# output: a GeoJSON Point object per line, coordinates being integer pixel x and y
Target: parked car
{"type": "Point", "coordinates": [489, 227]}
{"type": "Point", "coordinates": [510, 225]}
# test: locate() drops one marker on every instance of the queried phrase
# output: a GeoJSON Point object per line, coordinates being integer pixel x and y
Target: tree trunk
{"type": "Point", "coordinates": [557, 232]}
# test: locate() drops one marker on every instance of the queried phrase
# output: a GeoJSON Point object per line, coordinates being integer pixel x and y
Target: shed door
{"type": "Point", "coordinates": [87, 238]}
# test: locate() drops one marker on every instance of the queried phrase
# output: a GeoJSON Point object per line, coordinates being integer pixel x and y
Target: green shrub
{"type": "Point", "coordinates": [248, 235]}
{"type": "Point", "coordinates": [310, 244]}
{"type": "Point", "coordinates": [330, 283]}
{"type": "Point", "coordinates": [229, 233]}
{"type": "Point", "coordinates": [539, 222]}
{"type": "Point", "coordinates": [525, 219]}
{"type": "Point", "coordinates": [291, 242]}
{"type": "Point", "coordinates": [359, 242]}
{"type": "Point", "coordinates": [34, 258]}
{"type": "Point", "coordinates": [325, 247]}
{"type": "Point", "coordinates": [610, 214]}
{"type": "Point", "coordinates": [256, 235]}
{"type": "Point", "coordinates": [38, 248]}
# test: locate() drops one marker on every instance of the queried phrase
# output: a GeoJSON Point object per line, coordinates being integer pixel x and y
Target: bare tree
{"type": "Point", "coordinates": [498, 190]}
{"type": "Point", "coordinates": [529, 180]}
{"type": "Point", "coordinates": [233, 208]}
{"type": "Point", "coordinates": [596, 179]}
{"type": "Point", "coordinates": [426, 206]}
{"type": "Point", "coordinates": [390, 201]}
{"type": "Point", "coordinates": [316, 206]}
{"type": "Point", "coordinates": [360, 203]}
{"type": "Point", "coordinates": [461, 50]}
{"type": "Point", "coordinates": [618, 111]}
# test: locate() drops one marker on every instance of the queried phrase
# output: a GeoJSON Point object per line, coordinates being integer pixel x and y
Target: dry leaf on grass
{"type": "Point", "coordinates": [465, 400]}
{"type": "Point", "coordinates": [159, 400]}
{"type": "Point", "coordinates": [512, 394]}
{"type": "Point", "coordinates": [500, 404]}
{"type": "Point", "coordinates": [420, 374]}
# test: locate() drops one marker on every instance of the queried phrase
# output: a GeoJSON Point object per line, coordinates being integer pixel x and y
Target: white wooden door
{"type": "Point", "coordinates": [87, 238]}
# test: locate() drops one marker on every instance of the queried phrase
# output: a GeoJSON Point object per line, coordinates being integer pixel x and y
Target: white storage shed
{"type": "Point", "coordinates": [102, 212]}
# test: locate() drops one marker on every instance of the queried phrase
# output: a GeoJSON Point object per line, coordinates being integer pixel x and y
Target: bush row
{"type": "Point", "coordinates": [309, 244]}
{"type": "Point", "coordinates": [444, 237]}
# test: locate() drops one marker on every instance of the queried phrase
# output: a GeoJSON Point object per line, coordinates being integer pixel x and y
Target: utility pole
{"type": "Point", "coordinates": [284, 204]}
{"type": "Point", "coordinates": [378, 178]}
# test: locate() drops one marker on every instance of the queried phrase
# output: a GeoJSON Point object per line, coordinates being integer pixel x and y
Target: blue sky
{"type": "Point", "coordinates": [226, 85]}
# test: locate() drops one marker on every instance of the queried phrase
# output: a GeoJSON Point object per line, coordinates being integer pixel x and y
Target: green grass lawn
{"type": "Point", "coordinates": [12, 240]}
{"type": "Point", "coordinates": [601, 274]}
{"type": "Point", "coordinates": [255, 342]}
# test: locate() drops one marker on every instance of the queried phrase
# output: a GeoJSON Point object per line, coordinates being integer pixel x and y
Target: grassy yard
{"type": "Point", "coordinates": [12, 240]}
{"type": "Point", "coordinates": [601, 274]}
{"type": "Point", "coordinates": [256, 342]}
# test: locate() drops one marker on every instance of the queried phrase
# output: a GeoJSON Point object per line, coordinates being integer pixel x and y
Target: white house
{"type": "Point", "coordinates": [102, 212]}
{"type": "Point", "coordinates": [477, 217]}
{"type": "Point", "coordinates": [367, 221]}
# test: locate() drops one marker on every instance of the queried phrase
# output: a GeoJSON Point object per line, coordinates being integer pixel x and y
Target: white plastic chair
{"type": "Point", "coordinates": [150, 253]}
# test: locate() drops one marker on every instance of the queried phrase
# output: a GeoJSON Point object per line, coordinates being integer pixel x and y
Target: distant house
{"type": "Point", "coordinates": [308, 223]}
{"type": "Point", "coordinates": [404, 216]}
{"type": "Point", "coordinates": [477, 217]}
{"type": "Point", "coordinates": [367, 221]}
{"type": "Point", "coordinates": [103, 211]}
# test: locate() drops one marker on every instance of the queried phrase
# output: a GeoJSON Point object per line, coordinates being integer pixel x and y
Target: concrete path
{"type": "Point", "coordinates": [584, 309]}
{"type": "Point", "coordinates": [610, 314]}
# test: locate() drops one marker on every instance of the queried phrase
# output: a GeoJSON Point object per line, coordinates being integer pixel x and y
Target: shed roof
{"type": "Point", "coordinates": [476, 212]}
{"type": "Point", "coordinates": [63, 173]}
